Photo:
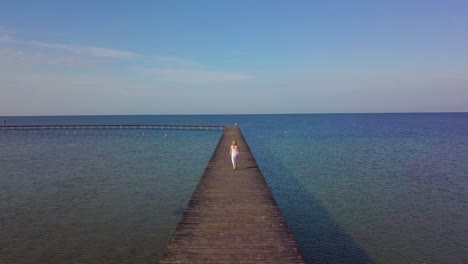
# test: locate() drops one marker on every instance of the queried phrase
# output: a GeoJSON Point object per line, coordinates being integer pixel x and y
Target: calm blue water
{"type": "Point", "coordinates": [354, 188]}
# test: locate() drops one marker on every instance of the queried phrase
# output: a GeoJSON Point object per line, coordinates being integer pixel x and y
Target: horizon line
{"type": "Point", "coordinates": [237, 114]}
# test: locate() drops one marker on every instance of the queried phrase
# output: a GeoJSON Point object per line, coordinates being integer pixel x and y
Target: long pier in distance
{"type": "Point", "coordinates": [232, 216]}
{"type": "Point", "coordinates": [107, 127]}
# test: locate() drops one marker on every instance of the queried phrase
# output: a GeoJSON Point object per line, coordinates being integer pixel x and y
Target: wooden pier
{"type": "Point", "coordinates": [108, 127]}
{"type": "Point", "coordinates": [232, 216]}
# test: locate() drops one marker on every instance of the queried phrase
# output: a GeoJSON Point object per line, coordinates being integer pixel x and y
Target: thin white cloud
{"type": "Point", "coordinates": [18, 53]}
{"type": "Point", "coordinates": [12, 58]}
{"type": "Point", "coordinates": [195, 75]}
{"type": "Point", "coordinates": [89, 50]}
{"type": "Point", "coordinates": [5, 38]}
{"type": "Point", "coordinates": [106, 53]}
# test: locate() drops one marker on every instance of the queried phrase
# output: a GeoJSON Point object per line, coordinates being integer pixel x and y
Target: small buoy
{"type": "Point", "coordinates": [165, 134]}
{"type": "Point", "coordinates": [285, 132]}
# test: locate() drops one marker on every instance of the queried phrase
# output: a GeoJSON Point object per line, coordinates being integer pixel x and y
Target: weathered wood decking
{"type": "Point", "coordinates": [232, 216]}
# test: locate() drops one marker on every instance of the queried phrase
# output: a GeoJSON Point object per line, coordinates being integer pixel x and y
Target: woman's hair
{"type": "Point", "coordinates": [234, 143]}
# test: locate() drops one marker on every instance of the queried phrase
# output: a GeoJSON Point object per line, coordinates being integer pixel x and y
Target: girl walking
{"type": "Point", "coordinates": [235, 155]}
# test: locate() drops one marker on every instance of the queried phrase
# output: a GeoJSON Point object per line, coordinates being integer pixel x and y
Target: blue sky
{"type": "Point", "coordinates": [232, 57]}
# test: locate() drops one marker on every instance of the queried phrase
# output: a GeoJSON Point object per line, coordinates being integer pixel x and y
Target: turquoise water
{"type": "Point", "coordinates": [96, 198]}
{"type": "Point", "coordinates": [355, 188]}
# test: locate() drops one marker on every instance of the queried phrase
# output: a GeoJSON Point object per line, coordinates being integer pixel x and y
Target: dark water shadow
{"type": "Point", "coordinates": [320, 238]}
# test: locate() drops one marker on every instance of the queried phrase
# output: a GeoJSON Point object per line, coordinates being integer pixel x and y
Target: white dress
{"type": "Point", "coordinates": [234, 154]}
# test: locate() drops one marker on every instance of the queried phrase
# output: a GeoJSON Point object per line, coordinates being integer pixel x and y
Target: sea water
{"type": "Point", "coordinates": [354, 188]}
